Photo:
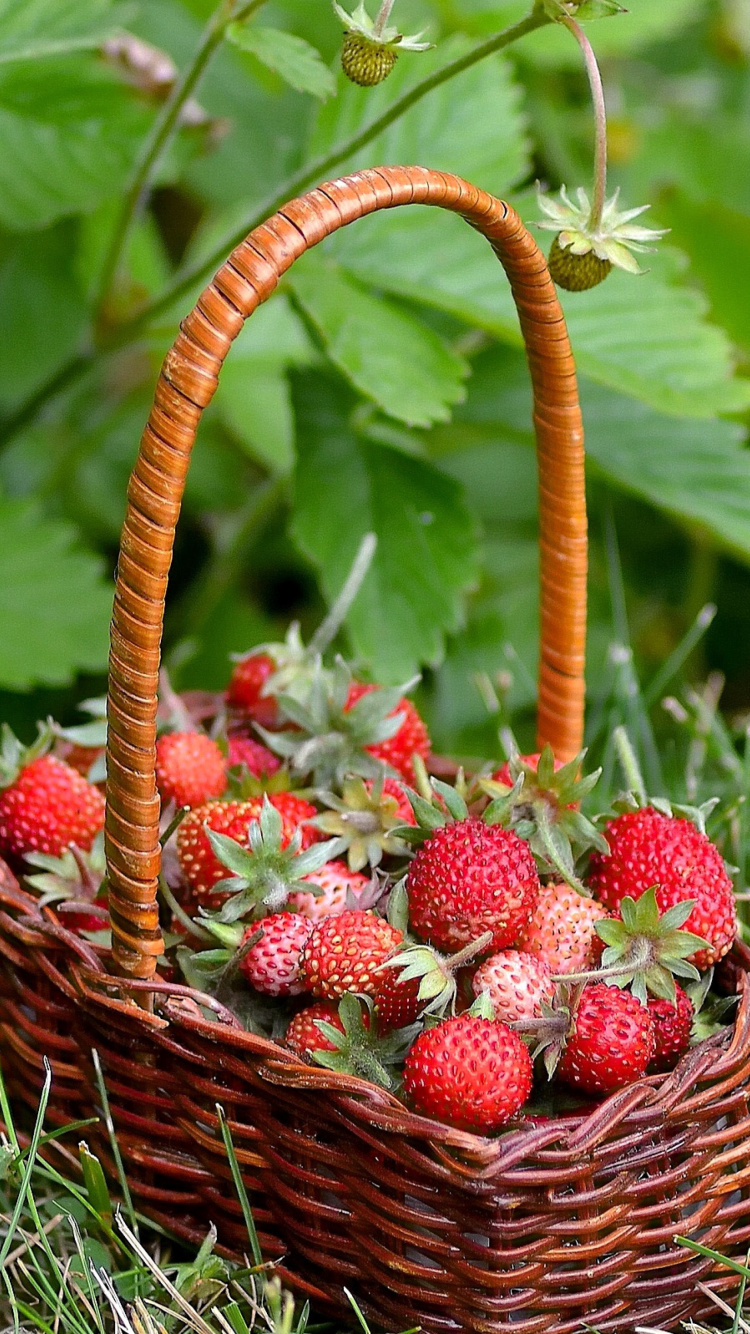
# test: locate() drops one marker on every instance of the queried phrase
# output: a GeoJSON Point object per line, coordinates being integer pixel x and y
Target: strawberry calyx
{"type": "Point", "coordinates": [361, 1049]}
{"type": "Point", "coordinates": [73, 884]}
{"type": "Point", "coordinates": [364, 817]}
{"type": "Point", "coordinates": [541, 803]}
{"type": "Point", "coordinates": [15, 757]}
{"type": "Point", "coordinates": [330, 738]}
{"type": "Point", "coordinates": [265, 873]}
{"type": "Point", "coordinates": [436, 972]}
{"type": "Point", "coordinates": [646, 950]}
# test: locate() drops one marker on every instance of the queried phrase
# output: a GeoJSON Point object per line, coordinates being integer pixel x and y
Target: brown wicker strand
{"type": "Point", "coordinates": [186, 385]}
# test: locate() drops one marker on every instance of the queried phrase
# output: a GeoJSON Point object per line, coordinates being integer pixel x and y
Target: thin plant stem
{"type": "Point", "coordinates": [319, 169]}
{"type": "Point", "coordinates": [629, 763]}
{"type": "Point", "coordinates": [156, 142]}
{"type": "Point", "coordinates": [383, 17]}
{"type": "Point", "coordinates": [600, 121]}
{"type": "Point", "coordinates": [130, 330]}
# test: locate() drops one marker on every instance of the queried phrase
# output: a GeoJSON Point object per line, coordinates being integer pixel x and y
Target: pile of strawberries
{"type": "Point", "coordinates": [460, 944]}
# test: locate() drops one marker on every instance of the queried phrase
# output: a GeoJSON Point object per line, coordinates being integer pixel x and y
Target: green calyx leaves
{"type": "Point", "coordinates": [76, 875]}
{"type": "Point", "coordinates": [264, 873]}
{"type": "Point", "coordinates": [646, 950]}
{"type": "Point", "coordinates": [364, 820]}
{"type": "Point", "coordinates": [14, 756]}
{"type": "Point", "coordinates": [330, 739]}
{"type": "Point", "coordinates": [360, 1049]}
{"type": "Point", "coordinates": [543, 807]}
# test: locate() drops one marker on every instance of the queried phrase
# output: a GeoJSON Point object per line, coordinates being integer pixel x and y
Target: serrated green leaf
{"type": "Point", "coordinates": [54, 605]}
{"type": "Point", "coordinates": [426, 559]}
{"type": "Point", "coordinates": [454, 801]}
{"type": "Point", "coordinates": [388, 355]}
{"type": "Point", "coordinates": [230, 853]}
{"type": "Point", "coordinates": [70, 131]}
{"type": "Point", "coordinates": [291, 57]}
{"type": "Point", "coordinates": [645, 337]}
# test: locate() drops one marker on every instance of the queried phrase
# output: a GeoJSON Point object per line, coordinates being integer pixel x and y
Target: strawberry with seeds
{"type": "Point", "coordinates": [673, 1021]}
{"type": "Point", "coordinates": [648, 848]}
{"type": "Point", "coordinates": [45, 805]}
{"type": "Point", "coordinates": [471, 1072]}
{"type": "Point", "coordinates": [344, 953]}
{"type": "Point", "coordinates": [610, 1042]}
{"type": "Point", "coordinates": [271, 964]}
{"type": "Point", "coordinates": [561, 931]}
{"type": "Point", "coordinates": [411, 738]}
{"type": "Point", "coordinates": [303, 1034]}
{"type": "Point", "coordinates": [191, 769]}
{"type": "Point", "coordinates": [336, 886]}
{"type": "Point", "coordinates": [517, 985]}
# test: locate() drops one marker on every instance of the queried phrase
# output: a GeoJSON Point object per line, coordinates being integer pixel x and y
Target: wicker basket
{"type": "Point", "coordinates": [559, 1224]}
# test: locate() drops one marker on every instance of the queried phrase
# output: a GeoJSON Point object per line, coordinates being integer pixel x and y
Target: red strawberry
{"type": "Point", "coordinates": [562, 930]}
{"type": "Point", "coordinates": [245, 688]}
{"type": "Point", "coordinates": [398, 1002]}
{"type": "Point", "coordinates": [648, 848]}
{"type": "Point", "coordinates": [190, 768]}
{"type": "Point", "coordinates": [80, 758]}
{"type": "Point", "coordinates": [473, 1073]}
{"type": "Point", "coordinates": [337, 882]}
{"type": "Point", "coordinates": [271, 965]}
{"type": "Point", "coordinates": [303, 1034]}
{"type": "Point", "coordinates": [48, 807]}
{"type": "Point", "coordinates": [611, 1043]}
{"type": "Point", "coordinates": [672, 1025]}
{"type": "Point", "coordinates": [392, 788]}
{"type": "Point", "coordinates": [411, 738]}
{"type": "Point", "coordinates": [516, 984]}
{"type": "Point", "coordinates": [201, 867]}
{"type": "Point", "coordinates": [468, 878]}
{"type": "Point", "coordinates": [344, 952]}
{"type": "Point", "coordinates": [255, 757]}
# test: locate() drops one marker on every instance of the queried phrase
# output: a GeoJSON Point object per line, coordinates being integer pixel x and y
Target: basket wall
{"type": "Point", "coordinates": [559, 1224]}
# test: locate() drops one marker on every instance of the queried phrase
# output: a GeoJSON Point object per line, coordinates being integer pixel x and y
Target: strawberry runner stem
{"type": "Point", "coordinates": [600, 120]}
{"type": "Point", "coordinates": [383, 17]}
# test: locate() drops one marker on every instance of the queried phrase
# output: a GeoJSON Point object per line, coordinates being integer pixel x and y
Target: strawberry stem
{"type": "Point", "coordinates": [600, 121]}
{"type": "Point", "coordinates": [630, 765]}
{"type": "Point", "coordinates": [457, 961]}
{"type": "Point", "coordinates": [383, 17]}
{"type": "Point", "coordinates": [330, 627]}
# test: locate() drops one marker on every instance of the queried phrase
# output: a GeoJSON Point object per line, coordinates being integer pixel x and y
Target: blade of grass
{"type": "Point", "coordinates": [239, 1186]}
{"type": "Point", "coordinates": [29, 1168]}
{"type": "Point", "coordinates": [679, 655]}
{"type": "Point", "coordinates": [113, 1142]}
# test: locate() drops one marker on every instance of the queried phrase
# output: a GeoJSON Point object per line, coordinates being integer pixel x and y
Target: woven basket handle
{"type": "Point", "coordinates": [186, 385]}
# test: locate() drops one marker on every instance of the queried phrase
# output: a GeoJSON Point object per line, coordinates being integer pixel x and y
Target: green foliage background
{"type": "Point", "coordinates": [383, 386]}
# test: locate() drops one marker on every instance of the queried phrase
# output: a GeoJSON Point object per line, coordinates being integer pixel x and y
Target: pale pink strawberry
{"type": "Point", "coordinates": [271, 965]}
{"type": "Point", "coordinates": [516, 984]}
{"type": "Point", "coordinates": [337, 883]}
{"type": "Point", "coordinates": [562, 930]}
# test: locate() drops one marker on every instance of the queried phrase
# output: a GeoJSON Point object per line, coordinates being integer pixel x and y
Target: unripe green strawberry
{"type": "Point", "coordinates": [365, 62]}
{"type": "Point", "coordinates": [576, 273]}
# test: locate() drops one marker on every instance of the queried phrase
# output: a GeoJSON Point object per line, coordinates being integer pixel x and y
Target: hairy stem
{"type": "Point", "coordinates": [600, 121]}
{"type": "Point", "coordinates": [155, 143]}
{"type": "Point", "coordinates": [630, 766]}
{"type": "Point", "coordinates": [381, 21]}
{"type": "Point", "coordinates": [130, 330]}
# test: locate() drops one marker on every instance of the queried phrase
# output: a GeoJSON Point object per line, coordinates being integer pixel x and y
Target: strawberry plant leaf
{"type": "Point", "coordinates": [291, 57]}
{"type": "Point", "coordinates": [31, 29]}
{"type": "Point", "coordinates": [387, 354]}
{"type": "Point", "coordinates": [54, 604]}
{"type": "Point", "coordinates": [645, 337]}
{"type": "Point", "coordinates": [426, 559]}
{"type": "Point", "coordinates": [70, 131]}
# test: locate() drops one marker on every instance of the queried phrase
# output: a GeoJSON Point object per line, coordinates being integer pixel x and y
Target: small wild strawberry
{"type": "Point", "coordinates": [337, 885]}
{"type": "Point", "coordinates": [516, 984]}
{"type": "Point", "coordinates": [271, 965]}
{"type": "Point", "coordinates": [370, 48]}
{"type": "Point", "coordinates": [473, 1073]}
{"type": "Point", "coordinates": [650, 849]}
{"type": "Point", "coordinates": [672, 1024]}
{"type": "Point", "coordinates": [45, 805]}
{"type": "Point", "coordinates": [344, 952]}
{"type": "Point", "coordinates": [411, 739]}
{"type": "Point", "coordinates": [258, 759]}
{"type": "Point", "coordinates": [190, 768]}
{"type": "Point", "coordinates": [246, 686]}
{"type": "Point", "coordinates": [303, 1034]}
{"type": "Point", "coordinates": [586, 248]}
{"type": "Point", "coordinates": [561, 931]}
{"type": "Point", "coordinates": [611, 1041]}
{"type": "Point", "coordinates": [468, 878]}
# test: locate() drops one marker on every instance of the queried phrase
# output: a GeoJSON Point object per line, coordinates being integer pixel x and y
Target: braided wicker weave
{"type": "Point", "coordinates": [561, 1223]}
